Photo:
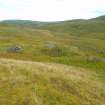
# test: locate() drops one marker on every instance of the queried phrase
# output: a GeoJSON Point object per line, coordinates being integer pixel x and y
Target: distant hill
{"type": "Point", "coordinates": [75, 27]}
{"type": "Point", "coordinates": [99, 18]}
{"type": "Point", "coordinates": [79, 27]}
{"type": "Point", "coordinates": [20, 22]}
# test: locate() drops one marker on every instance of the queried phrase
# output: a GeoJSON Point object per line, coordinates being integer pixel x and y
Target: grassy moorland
{"type": "Point", "coordinates": [34, 83]}
{"type": "Point", "coordinates": [76, 46]}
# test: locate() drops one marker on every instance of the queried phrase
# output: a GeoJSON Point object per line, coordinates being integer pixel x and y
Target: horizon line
{"type": "Point", "coordinates": [14, 19]}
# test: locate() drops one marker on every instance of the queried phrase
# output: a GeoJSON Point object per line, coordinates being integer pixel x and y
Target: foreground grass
{"type": "Point", "coordinates": [34, 83]}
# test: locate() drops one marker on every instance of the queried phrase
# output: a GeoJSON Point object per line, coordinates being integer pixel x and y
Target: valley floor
{"type": "Point", "coordinates": [38, 83]}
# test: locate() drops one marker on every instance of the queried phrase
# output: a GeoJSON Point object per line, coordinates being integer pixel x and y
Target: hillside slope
{"type": "Point", "coordinates": [76, 42]}
{"type": "Point", "coordinates": [34, 83]}
{"type": "Point", "coordinates": [75, 27]}
{"type": "Point", "coordinates": [59, 63]}
{"type": "Point", "coordinates": [84, 28]}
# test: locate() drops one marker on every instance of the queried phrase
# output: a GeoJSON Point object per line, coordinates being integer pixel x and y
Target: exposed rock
{"type": "Point", "coordinates": [95, 59]}
{"type": "Point", "coordinates": [50, 45]}
{"type": "Point", "coordinates": [15, 49]}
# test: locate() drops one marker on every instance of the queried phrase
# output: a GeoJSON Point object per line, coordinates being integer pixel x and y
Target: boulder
{"type": "Point", "coordinates": [50, 45]}
{"type": "Point", "coordinates": [15, 49]}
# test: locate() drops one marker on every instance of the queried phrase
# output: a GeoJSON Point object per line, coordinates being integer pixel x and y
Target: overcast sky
{"type": "Point", "coordinates": [51, 10]}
